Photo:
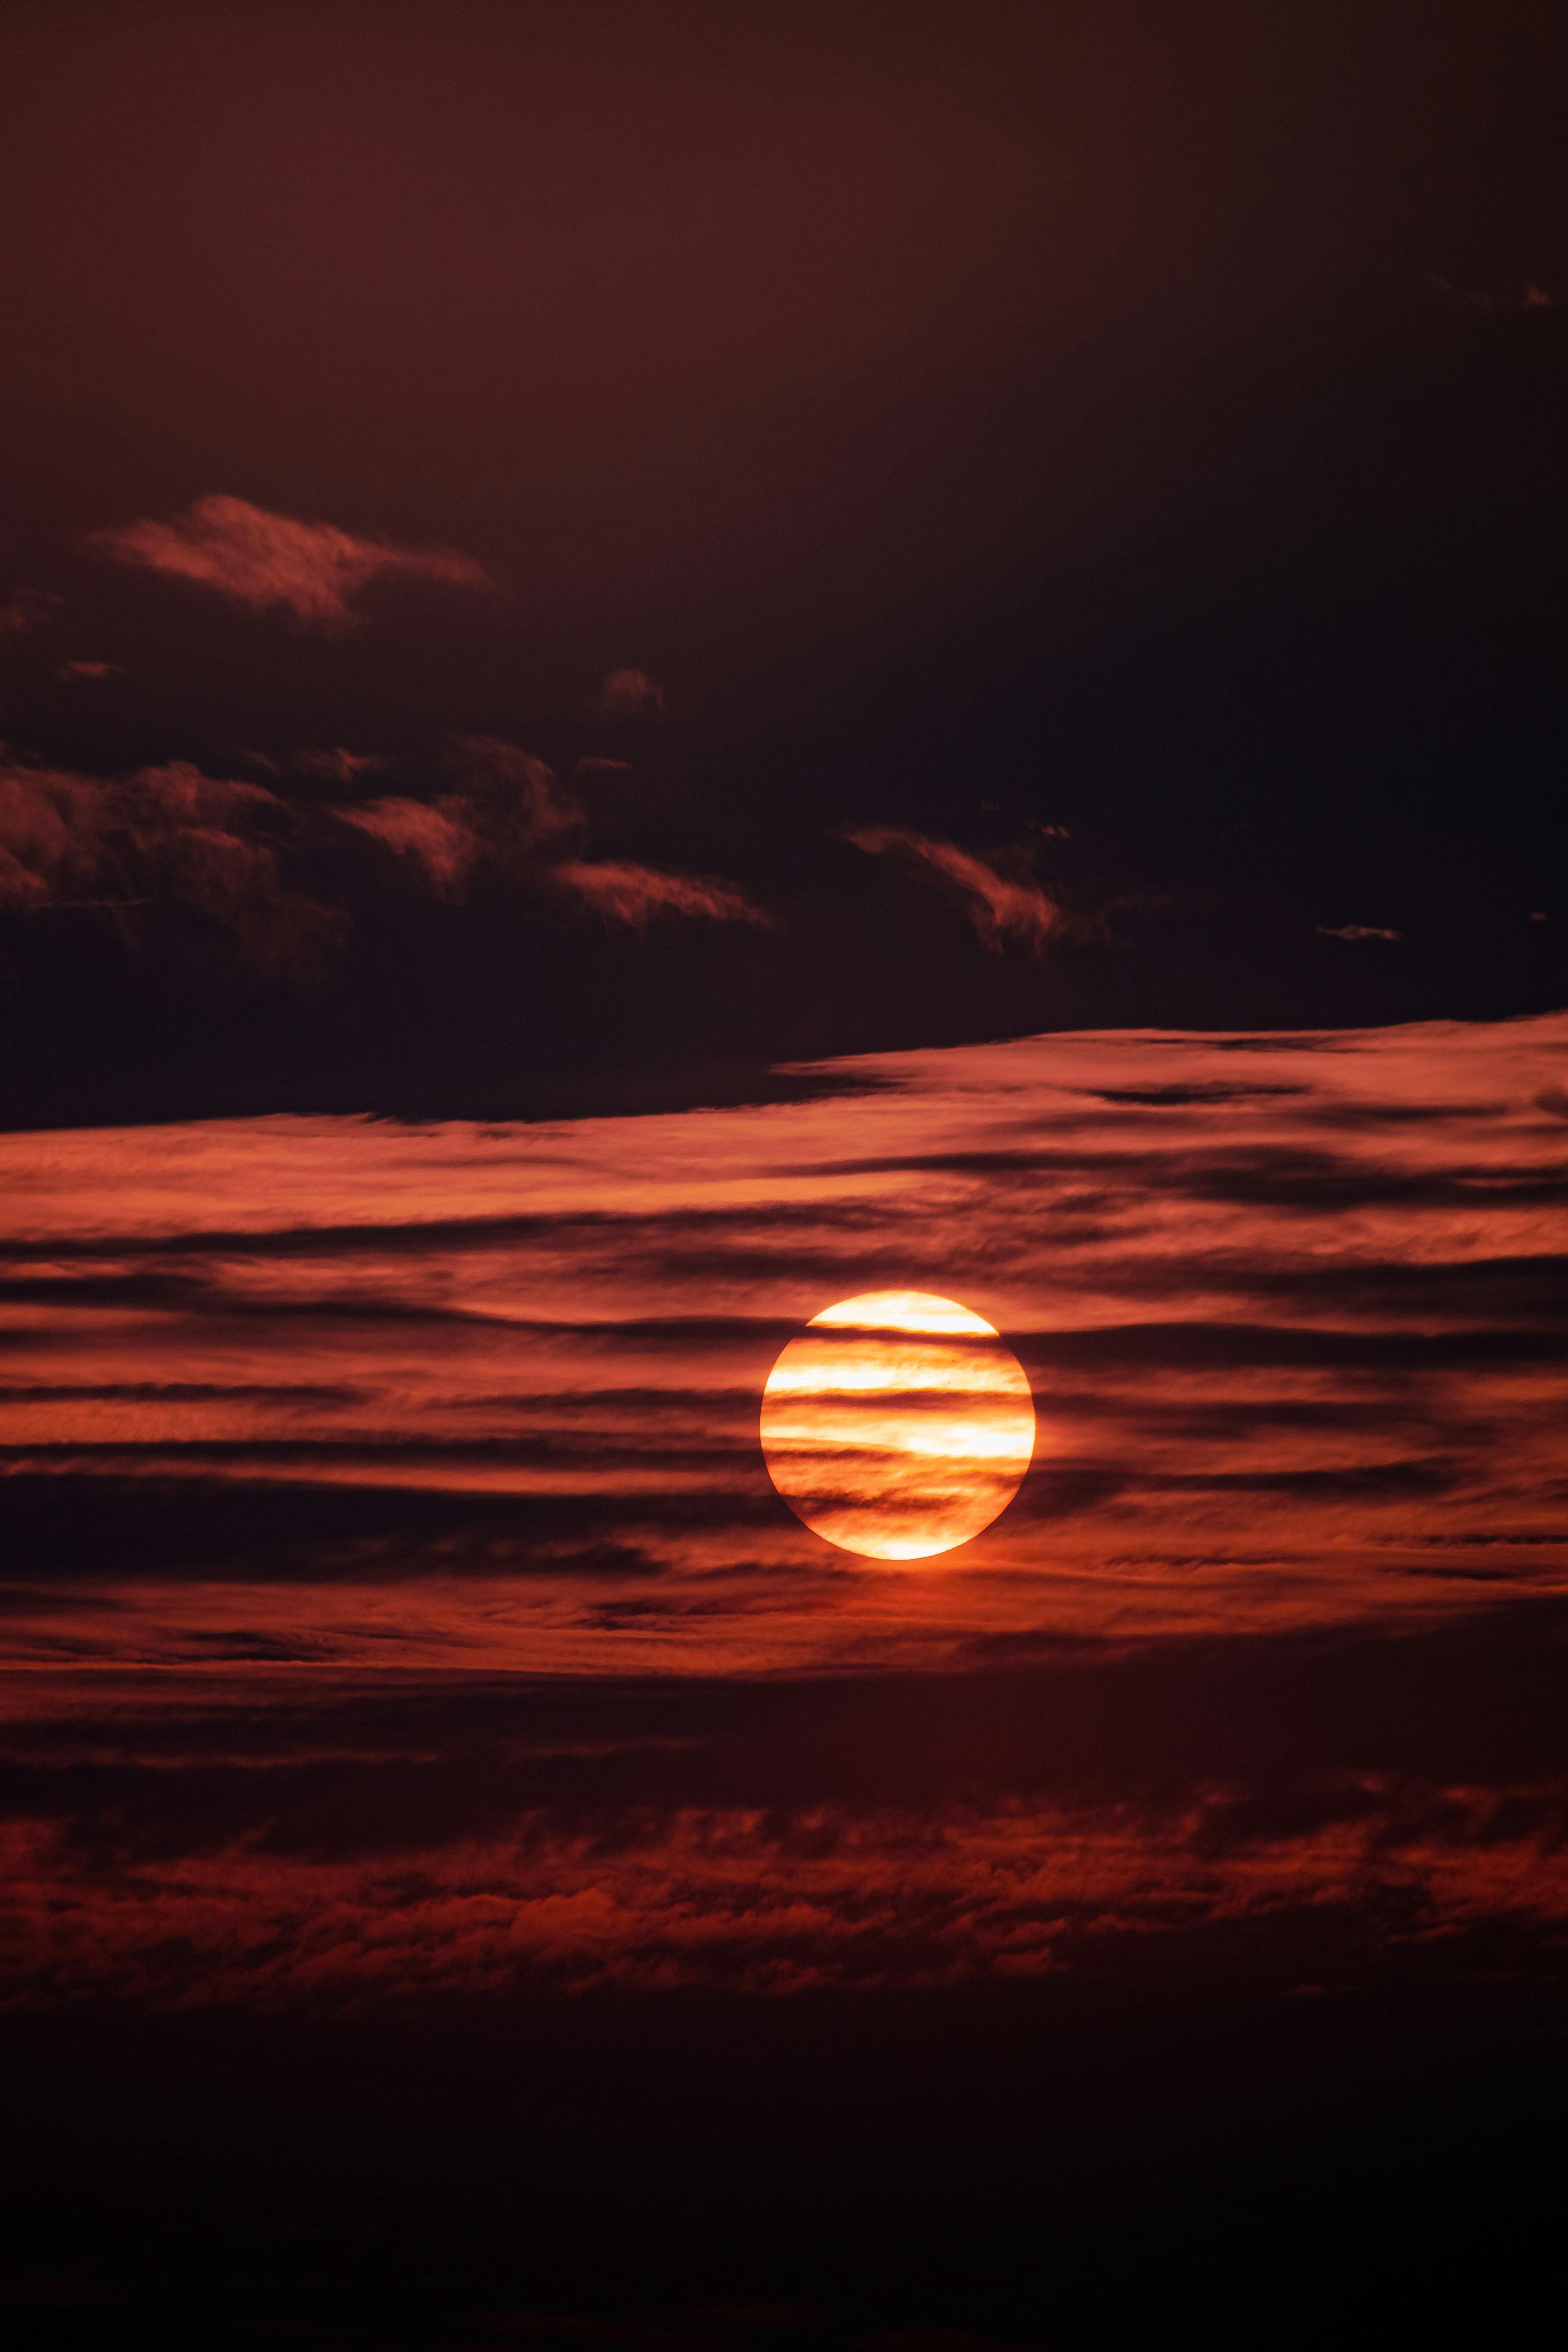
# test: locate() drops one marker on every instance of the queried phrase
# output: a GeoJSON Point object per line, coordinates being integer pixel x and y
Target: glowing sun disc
{"type": "Point", "coordinates": [898, 1424]}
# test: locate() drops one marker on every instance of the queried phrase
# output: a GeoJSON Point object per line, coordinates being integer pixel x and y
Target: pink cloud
{"type": "Point", "coordinates": [265, 561]}
{"type": "Point", "coordinates": [89, 670]}
{"type": "Point", "coordinates": [998, 908]}
{"type": "Point", "coordinates": [624, 893]}
{"type": "Point", "coordinates": [604, 768]}
{"type": "Point", "coordinates": [436, 836]}
{"type": "Point", "coordinates": [630, 694]}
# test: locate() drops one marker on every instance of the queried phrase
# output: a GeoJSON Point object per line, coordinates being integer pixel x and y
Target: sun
{"type": "Point", "coordinates": [898, 1424]}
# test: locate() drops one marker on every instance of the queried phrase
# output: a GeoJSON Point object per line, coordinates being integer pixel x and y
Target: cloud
{"type": "Point", "coordinates": [624, 893]}
{"type": "Point", "coordinates": [28, 609]}
{"type": "Point", "coordinates": [630, 694]}
{"type": "Point", "coordinates": [52, 826]}
{"type": "Point", "coordinates": [167, 833]}
{"type": "Point", "coordinates": [520, 806]}
{"type": "Point", "coordinates": [89, 670]}
{"type": "Point", "coordinates": [510, 818]}
{"type": "Point", "coordinates": [339, 767]}
{"type": "Point", "coordinates": [999, 907]}
{"type": "Point", "coordinates": [437, 836]}
{"type": "Point", "coordinates": [264, 561]}
{"type": "Point", "coordinates": [514, 819]}
{"type": "Point", "coordinates": [604, 768]}
{"type": "Point", "coordinates": [1356, 931]}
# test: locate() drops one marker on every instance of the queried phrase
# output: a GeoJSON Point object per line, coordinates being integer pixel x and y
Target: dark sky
{"type": "Point", "coordinates": [1121, 444]}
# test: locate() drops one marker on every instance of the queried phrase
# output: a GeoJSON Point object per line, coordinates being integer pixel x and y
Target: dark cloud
{"type": "Point", "coordinates": [168, 833]}
{"type": "Point", "coordinates": [339, 766]}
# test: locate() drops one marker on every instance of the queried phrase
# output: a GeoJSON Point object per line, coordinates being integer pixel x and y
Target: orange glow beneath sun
{"type": "Point", "coordinates": [898, 1424]}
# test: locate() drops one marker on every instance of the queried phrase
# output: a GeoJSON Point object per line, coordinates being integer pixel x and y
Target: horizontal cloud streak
{"type": "Point", "coordinates": [636, 895]}
{"type": "Point", "coordinates": [267, 562]}
{"type": "Point", "coordinates": [411, 1611]}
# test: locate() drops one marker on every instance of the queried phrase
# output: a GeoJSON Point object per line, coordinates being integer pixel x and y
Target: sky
{"type": "Point", "coordinates": [1012, 518]}
{"type": "Point", "coordinates": [661, 668]}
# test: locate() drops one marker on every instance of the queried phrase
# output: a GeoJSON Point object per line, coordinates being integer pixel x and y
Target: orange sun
{"type": "Point", "coordinates": [898, 1424]}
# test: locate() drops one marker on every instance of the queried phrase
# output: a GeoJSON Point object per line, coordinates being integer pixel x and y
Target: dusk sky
{"type": "Point", "coordinates": [862, 700]}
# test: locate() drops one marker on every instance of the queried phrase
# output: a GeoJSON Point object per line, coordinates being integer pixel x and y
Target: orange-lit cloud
{"type": "Point", "coordinates": [437, 836]}
{"type": "Point", "coordinates": [1292, 1316]}
{"type": "Point", "coordinates": [1356, 931]}
{"type": "Point", "coordinates": [89, 670]}
{"type": "Point", "coordinates": [999, 907]}
{"type": "Point", "coordinates": [636, 895]}
{"type": "Point", "coordinates": [267, 562]}
{"type": "Point", "coordinates": [516, 820]}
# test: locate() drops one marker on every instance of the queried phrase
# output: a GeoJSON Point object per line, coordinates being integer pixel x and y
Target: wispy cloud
{"type": "Point", "coordinates": [88, 672]}
{"type": "Point", "coordinates": [1356, 931]}
{"type": "Point", "coordinates": [635, 895]}
{"type": "Point", "coordinates": [27, 609]}
{"type": "Point", "coordinates": [267, 562]}
{"type": "Point", "coordinates": [1000, 906]}
{"type": "Point", "coordinates": [436, 836]}
{"type": "Point", "coordinates": [1529, 297]}
{"type": "Point", "coordinates": [339, 767]}
{"type": "Point", "coordinates": [515, 820]}
{"type": "Point", "coordinates": [520, 806]}
{"type": "Point", "coordinates": [630, 694]}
